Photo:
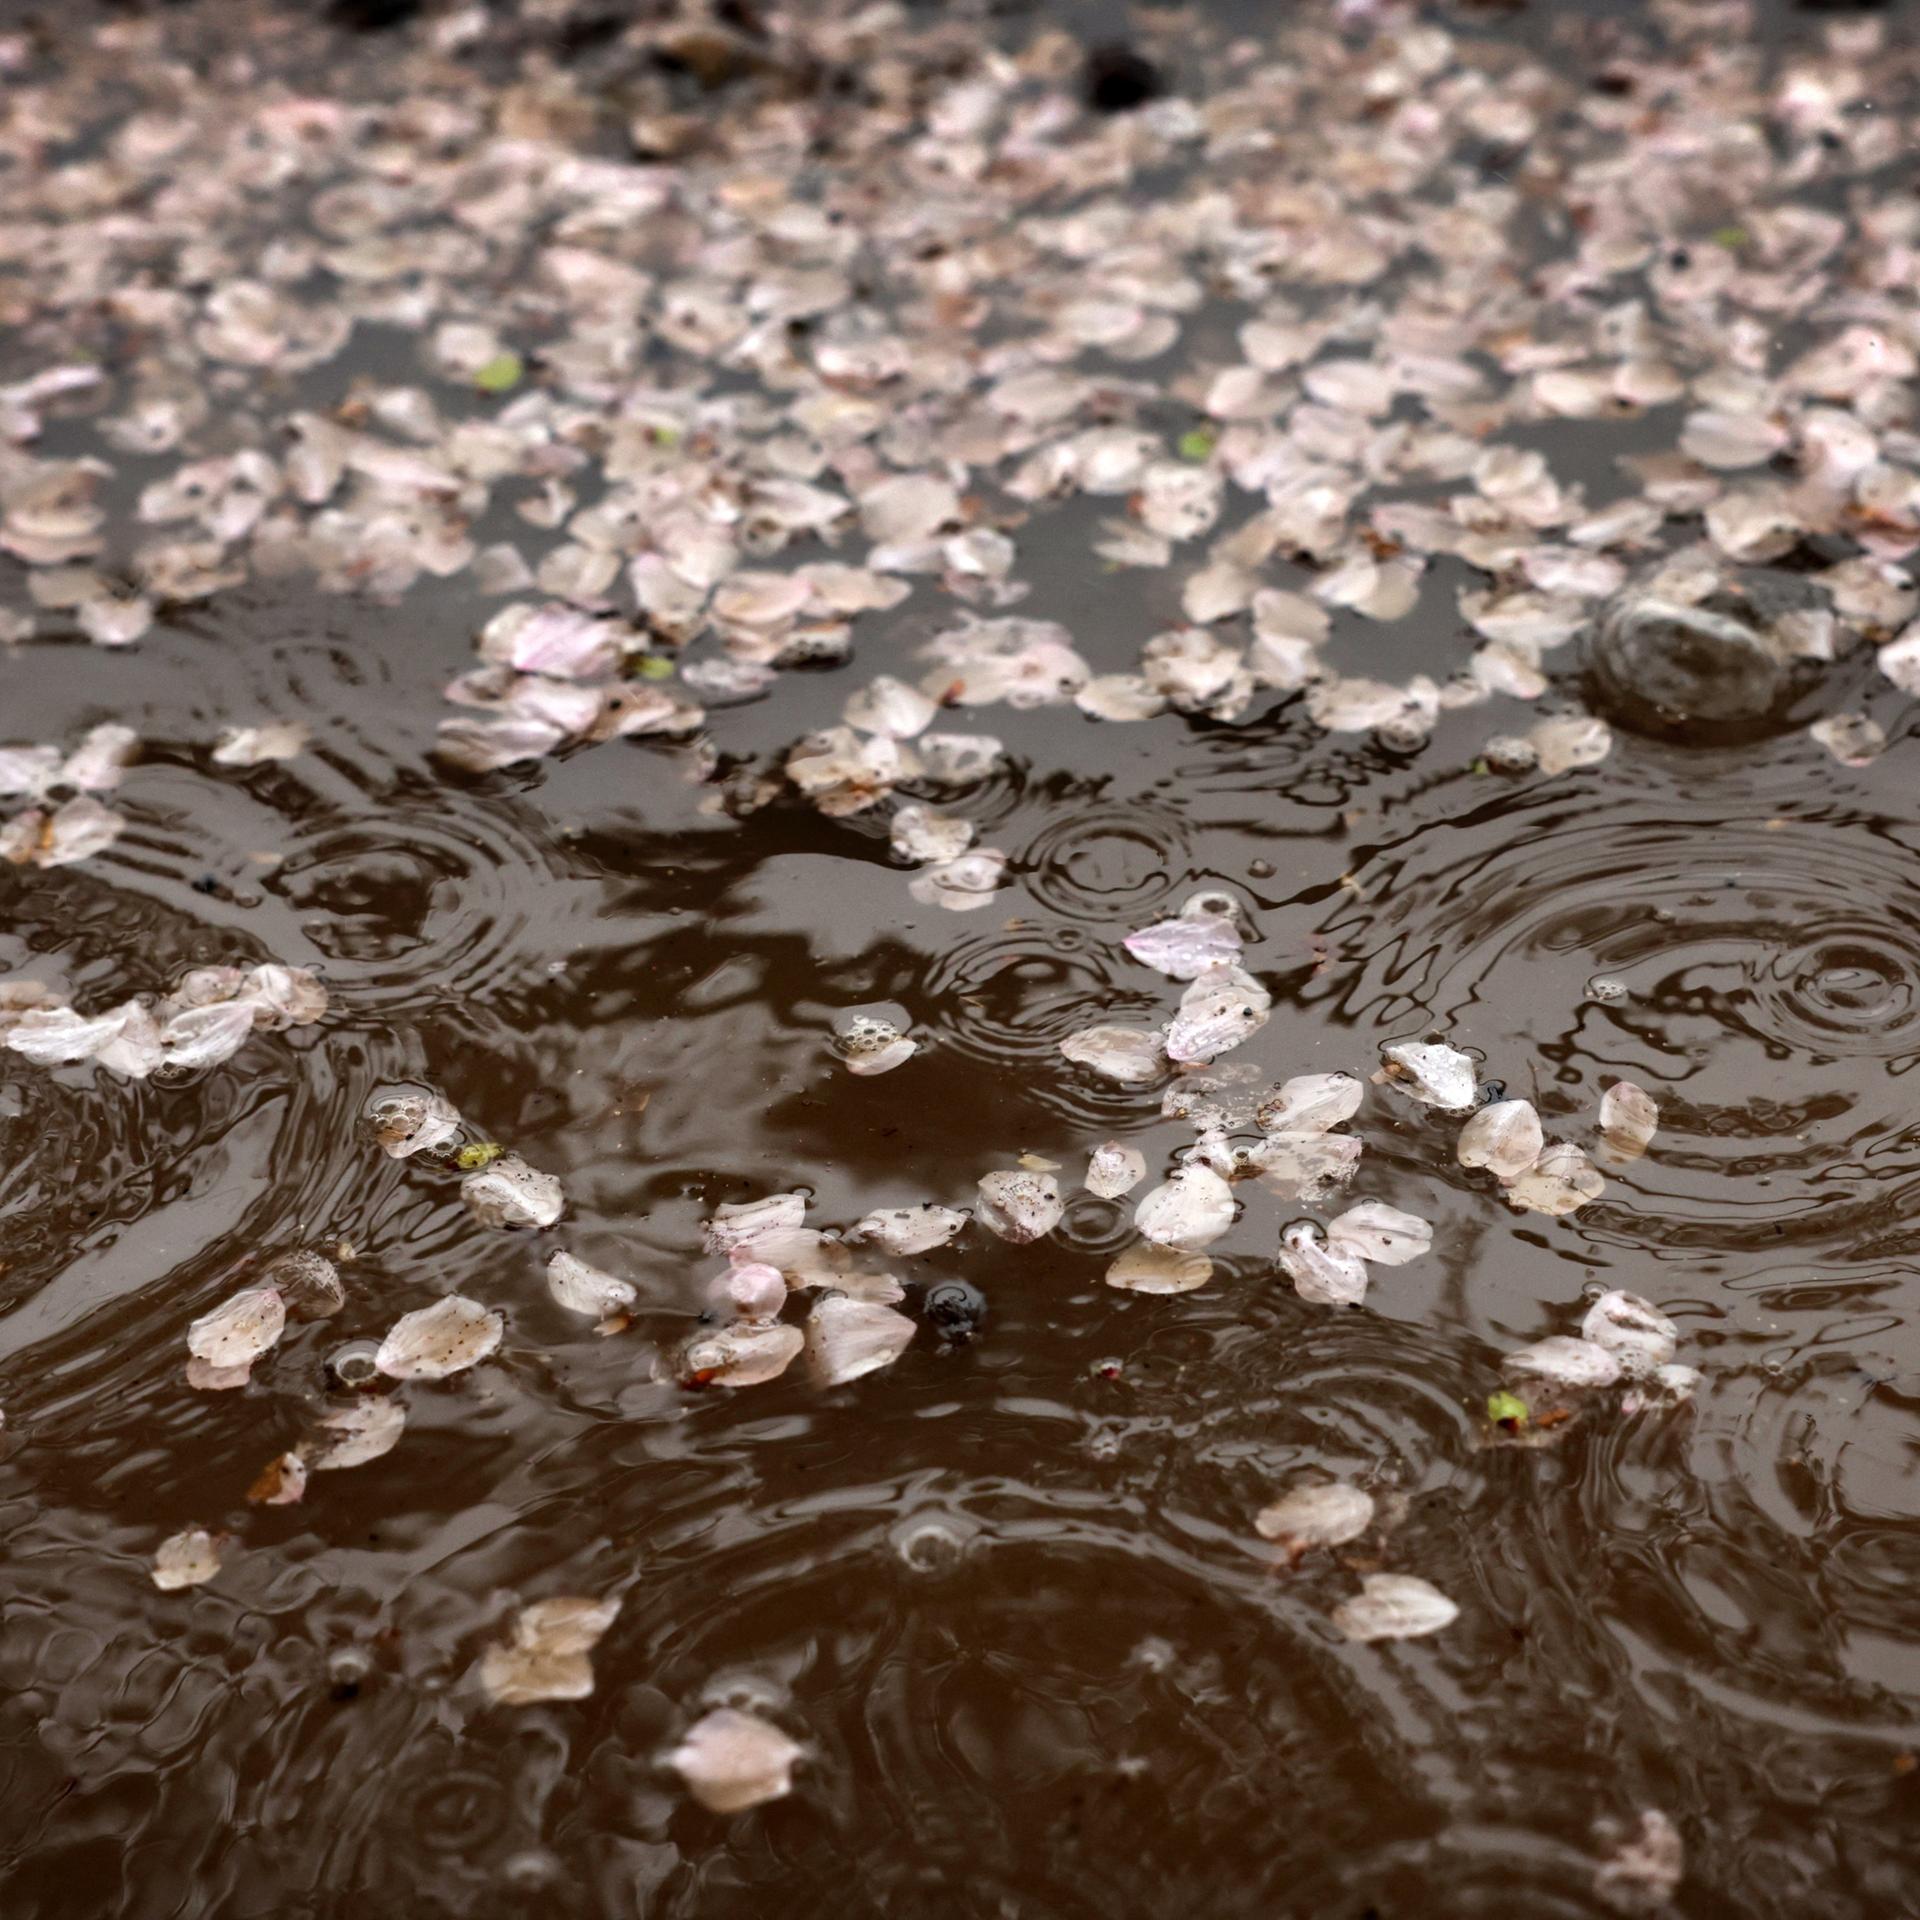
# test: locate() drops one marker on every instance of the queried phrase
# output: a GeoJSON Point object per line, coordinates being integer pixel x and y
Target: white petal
{"type": "Point", "coordinates": [745, 1354]}
{"type": "Point", "coordinates": [732, 1761]}
{"type": "Point", "coordinates": [1633, 1330]}
{"type": "Point", "coordinates": [546, 1659]}
{"type": "Point", "coordinates": [1505, 1138]}
{"type": "Point", "coordinates": [446, 1338]}
{"type": "Point", "coordinates": [737, 1224]}
{"type": "Point", "coordinates": [1113, 1170]}
{"type": "Point", "coordinates": [1125, 1055]}
{"type": "Point", "coordinates": [1394, 1606]}
{"type": "Point", "coordinates": [1563, 1361]}
{"type": "Point", "coordinates": [1561, 1181]}
{"type": "Point", "coordinates": [847, 1338]}
{"type": "Point", "coordinates": [1322, 1273]}
{"type": "Point", "coordinates": [408, 1123]}
{"type": "Point", "coordinates": [1852, 738]}
{"type": "Point", "coordinates": [1317, 1516]}
{"type": "Point", "coordinates": [1185, 948]}
{"type": "Point", "coordinates": [1580, 740]}
{"type": "Point", "coordinates": [186, 1560]}
{"type": "Point", "coordinates": [1628, 1119]}
{"type": "Point", "coordinates": [509, 1193]}
{"type": "Point", "coordinates": [919, 833]}
{"type": "Point", "coordinates": [1439, 1076]}
{"type": "Point", "coordinates": [963, 885]}
{"type": "Point", "coordinates": [350, 1436]}
{"type": "Point", "coordinates": [1312, 1103]}
{"type": "Point", "coordinates": [909, 1230]}
{"type": "Point", "coordinates": [1643, 1873]}
{"type": "Point", "coordinates": [98, 762]}
{"type": "Point", "coordinates": [240, 1329]}
{"type": "Point", "coordinates": [1223, 1007]}
{"type": "Point", "coordinates": [754, 1289]}
{"type": "Point", "coordinates": [1147, 1268]}
{"type": "Point", "coordinates": [584, 1289]}
{"type": "Point", "coordinates": [1192, 1208]}
{"type": "Point", "coordinates": [1381, 1234]}
{"type": "Point", "coordinates": [1019, 1206]}
{"type": "Point", "coordinates": [249, 746]}
{"type": "Point", "coordinates": [1303, 1166]}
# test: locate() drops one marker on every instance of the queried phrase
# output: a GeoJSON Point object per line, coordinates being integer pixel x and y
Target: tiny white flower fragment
{"type": "Point", "coordinates": [1328, 1515]}
{"type": "Point", "coordinates": [1323, 1273]}
{"type": "Point", "coordinates": [732, 1761]}
{"type": "Point", "coordinates": [1187, 947]}
{"type": "Point", "coordinates": [1645, 1868]}
{"type": "Point", "coordinates": [746, 1354]}
{"type": "Point", "coordinates": [1505, 1138]}
{"type": "Point", "coordinates": [1190, 1209]}
{"type": "Point", "coordinates": [446, 1338]}
{"type": "Point", "coordinates": [1020, 1206]}
{"type": "Point", "coordinates": [909, 1230]}
{"type": "Point", "coordinates": [1628, 1119]}
{"type": "Point", "coordinates": [546, 1658]}
{"type": "Point", "coordinates": [584, 1289]}
{"type": "Point", "coordinates": [1113, 1170]}
{"type": "Point", "coordinates": [1560, 1182]}
{"type": "Point", "coordinates": [352, 1435]}
{"type": "Point", "coordinates": [1148, 1267]}
{"type": "Point", "coordinates": [1562, 1361]}
{"type": "Point", "coordinates": [240, 1329]}
{"type": "Point", "coordinates": [1438, 1076]}
{"type": "Point", "coordinates": [186, 1559]}
{"type": "Point", "coordinates": [848, 1338]}
{"type": "Point", "coordinates": [509, 1193]}
{"type": "Point", "coordinates": [1381, 1234]}
{"type": "Point", "coordinates": [1634, 1331]}
{"type": "Point", "coordinates": [1128, 1056]}
{"type": "Point", "coordinates": [1394, 1606]}
{"type": "Point", "coordinates": [251, 746]}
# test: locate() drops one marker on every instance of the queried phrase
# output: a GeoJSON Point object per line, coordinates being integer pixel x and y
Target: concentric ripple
{"type": "Point", "coordinates": [1116, 862]}
{"type": "Point", "coordinates": [1005, 999]}
{"type": "Point", "coordinates": [1761, 977]}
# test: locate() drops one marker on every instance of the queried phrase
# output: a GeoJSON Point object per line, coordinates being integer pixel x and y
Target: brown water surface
{"type": "Point", "coordinates": [1006, 1592]}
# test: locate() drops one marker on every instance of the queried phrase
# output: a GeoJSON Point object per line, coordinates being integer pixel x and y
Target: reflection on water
{"type": "Point", "coordinates": [1006, 1594]}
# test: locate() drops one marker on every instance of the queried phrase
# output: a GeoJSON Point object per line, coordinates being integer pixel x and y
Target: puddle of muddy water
{"type": "Point", "coordinates": [1005, 1596]}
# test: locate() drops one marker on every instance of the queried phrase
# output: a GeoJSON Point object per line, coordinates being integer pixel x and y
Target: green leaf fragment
{"type": "Point", "coordinates": [1731, 237]}
{"type": "Point", "coordinates": [1506, 1410]}
{"type": "Point", "coordinates": [477, 1155]}
{"type": "Point", "coordinates": [501, 374]}
{"type": "Point", "coordinates": [1198, 443]}
{"type": "Point", "coordinates": [653, 666]}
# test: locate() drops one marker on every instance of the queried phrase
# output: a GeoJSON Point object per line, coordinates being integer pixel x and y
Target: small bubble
{"type": "Point", "coordinates": [932, 1544]}
{"type": "Point", "coordinates": [1604, 988]}
{"type": "Point", "coordinates": [1261, 869]}
{"type": "Point", "coordinates": [353, 1364]}
{"type": "Point", "coordinates": [745, 1691]}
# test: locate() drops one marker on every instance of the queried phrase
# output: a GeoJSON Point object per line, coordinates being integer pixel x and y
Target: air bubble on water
{"type": "Point", "coordinates": [353, 1365]}
{"type": "Point", "coordinates": [349, 1666]}
{"type": "Point", "coordinates": [1154, 1654]}
{"type": "Point", "coordinates": [933, 1544]}
{"type": "Point", "coordinates": [1604, 988]}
